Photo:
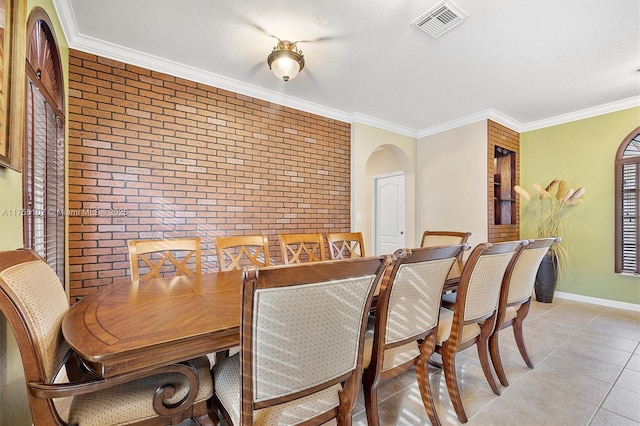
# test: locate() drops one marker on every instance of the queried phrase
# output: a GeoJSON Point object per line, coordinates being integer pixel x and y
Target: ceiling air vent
{"type": "Point", "coordinates": [440, 19]}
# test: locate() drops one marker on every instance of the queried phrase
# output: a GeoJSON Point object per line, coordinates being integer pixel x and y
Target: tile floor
{"type": "Point", "coordinates": [587, 372]}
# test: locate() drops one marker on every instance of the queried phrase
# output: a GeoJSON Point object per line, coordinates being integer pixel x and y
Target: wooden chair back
{"type": "Point", "coordinates": [301, 248]}
{"type": "Point", "coordinates": [344, 245]}
{"type": "Point", "coordinates": [234, 252]}
{"type": "Point", "coordinates": [473, 319]}
{"type": "Point", "coordinates": [445, 238]}
{"type": "Point", "coordinates": [35, 303]}
{"type": "Point", "coordinates": [309, 319]}
{"type": "Point", "coordinates": [164, 257]}
{"type": "Point", "coordinates": [515, 300]}
{"type": "Point", "coordinates": [408, 311]}
{"type": "Point", "coordinates": [521, 275]}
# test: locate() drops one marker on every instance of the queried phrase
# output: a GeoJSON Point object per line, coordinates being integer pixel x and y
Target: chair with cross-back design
{"type": "Point", "coordinates": [165, 257]}
{"type": "Point", "coordinates": [34, 302]}
{"type": "Point", "coordinates": [301, 248]}
{"type": "Point", "coordinates": [344, 245]}
{"type": "Point", "coordinates": [406, 322]}
{"type": "Point", "coordinates": [235, 252]}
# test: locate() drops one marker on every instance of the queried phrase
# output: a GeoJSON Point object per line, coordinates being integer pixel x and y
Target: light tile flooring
{"type": "Point", "coordinates": [587, 372]}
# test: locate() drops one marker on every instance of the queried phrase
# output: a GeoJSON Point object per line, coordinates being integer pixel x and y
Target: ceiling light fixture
{"type": "Point", "coordinates": [286, 61]}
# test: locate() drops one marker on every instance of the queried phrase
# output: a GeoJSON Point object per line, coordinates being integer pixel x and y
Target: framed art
{"type": "Point", "coordinates": [12, 48]}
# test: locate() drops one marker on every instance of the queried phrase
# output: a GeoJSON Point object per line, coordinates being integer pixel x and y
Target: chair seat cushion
{"type": "Point", "coordinates": [511, 312]}
{"type": "Point", "coordinates": [133, 402]}
{"type": "Point", "coordinates": [227, 382]}
{"type": "Point", "coordinates": [444, 328]}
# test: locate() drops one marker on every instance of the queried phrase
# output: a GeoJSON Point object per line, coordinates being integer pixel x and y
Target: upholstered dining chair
{"type": "Point", "coordinates": [301, 248]}
{"type": "Point", "coordinates": [474, 316]}
{"type": "Point", "coordinates": [344, 245]}
{"type": "Point", "coordinates": [34, 303]}
{"type": "Point", "coordinates": [515, 300]}
{"type": "Point", "coordinates": [234, 252]}
{"type": "Point", "coordinates": [302, 343]}
{"type": "Point", "coordinates": [183, 256]}
{"type": "Point", "coordinates": [406, 322]}
{"type": "Point", "coordinates": [445, 238]}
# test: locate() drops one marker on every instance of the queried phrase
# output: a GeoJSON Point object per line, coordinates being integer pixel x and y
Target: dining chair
{"type": "Point", "coordinates": [445, 238]}
{"type": "Point", "coordinates": [406, 322]}
{"type": "Point", "coordinates": [515, 300]}
{"type": "Point", "coordinates": [234, 252]}
{"type": "Point", "coordinates": [183, 256]}
{"type": "Point", "coordinates": [473, 318]}
{"type": "Point", "coordinates": [34, 302]}
{"type": "Point", "coordinates": [344, 245]}
{"type": "Point", "coordinates": [302, 335]}
{"type": "Point", "coordinates": [301, 248]}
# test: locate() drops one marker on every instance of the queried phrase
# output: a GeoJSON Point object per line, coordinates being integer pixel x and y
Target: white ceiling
{"type": "Point", "coordinates": [524, 63]}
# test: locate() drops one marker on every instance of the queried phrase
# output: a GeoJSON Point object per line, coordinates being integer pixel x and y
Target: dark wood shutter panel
{"type": "Point", "coordinates": [44, 178]}
{"type": "Point", "coordinates": [629, 218]}
{"type": "Point", "coordinates": [628, 205]}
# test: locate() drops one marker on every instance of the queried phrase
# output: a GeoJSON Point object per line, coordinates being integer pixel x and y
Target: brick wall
{"type": "Point", "coordinates": [155, 156]}
{"type": "Point", "coordinates": [504, 137]}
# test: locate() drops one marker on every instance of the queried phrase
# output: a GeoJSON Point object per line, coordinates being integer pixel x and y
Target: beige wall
{"type": "Point", "coordinates": [377, 152]}
{"type": "Point", "coordinates": [452, 181]}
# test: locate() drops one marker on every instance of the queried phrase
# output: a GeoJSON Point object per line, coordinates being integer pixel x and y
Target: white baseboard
{"type": "Point", "coordinates": [597, 301]}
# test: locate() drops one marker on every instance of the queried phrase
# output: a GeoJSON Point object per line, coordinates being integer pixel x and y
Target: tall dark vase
{"type": "Point", "coordinates": [546, 278]}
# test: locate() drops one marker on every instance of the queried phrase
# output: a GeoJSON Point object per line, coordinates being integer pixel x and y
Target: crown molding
{"type": "Point", "coordinates": [356, 117]}
{"type": "Point", "coordinates": [583, 114]}
{"type": "Point", "coordinates": [489, 114]}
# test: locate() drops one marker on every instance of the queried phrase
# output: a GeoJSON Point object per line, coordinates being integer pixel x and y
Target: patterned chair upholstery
{"type": "Point", "coordinates": [183, 255]}
{"type": "Point", "coordinates": [474, 316]}
{"type": "Point", "coordinates": [34, 303]}
{"type": "Point", "coordinates": [515, 299]}
{"type": "Point", "coordinates": [234, 252]}
{"type": "Point", "coordinates": [446, 238]}
{"type": "Point", "coordinates": [301, 248]}
{"type": "Point", "coordinates": [302, 343]}
{"type": "Point", "coordinates": [408, 311]}
{"type": "Point", "coordinates": [344, 245]}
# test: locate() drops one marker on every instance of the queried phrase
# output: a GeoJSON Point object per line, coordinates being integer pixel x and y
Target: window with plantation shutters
{"type": "Point", "coordinates": [627, 205]}
{"type": "Point", "coordinates": [44, 153]}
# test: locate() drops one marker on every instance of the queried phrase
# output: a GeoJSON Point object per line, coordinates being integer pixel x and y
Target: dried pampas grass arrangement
{"type": "Point", "coordinates": [550, 206]}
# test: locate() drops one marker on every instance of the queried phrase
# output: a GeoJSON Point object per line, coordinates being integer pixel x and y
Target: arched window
{"type": "Point", "coordinates": [627, 205]}
{"type": "Point", "coordinates": [43, 176]}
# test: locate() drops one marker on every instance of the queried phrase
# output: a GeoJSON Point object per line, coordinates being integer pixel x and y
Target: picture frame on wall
{"type": "Point", "coordinates": [12, 78]}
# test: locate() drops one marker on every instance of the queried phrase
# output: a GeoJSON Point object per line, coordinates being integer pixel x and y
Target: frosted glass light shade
{"type": "Point", "coordinates": [285, 68]}
{"type": "Point", "coordinates": [285, 61]}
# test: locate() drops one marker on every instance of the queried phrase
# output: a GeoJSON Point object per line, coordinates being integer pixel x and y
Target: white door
{"type": "Point", "coordinates": [388, 231]}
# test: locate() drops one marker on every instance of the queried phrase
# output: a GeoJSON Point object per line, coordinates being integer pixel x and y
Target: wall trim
{"type": "Point", "coordinates": [597, 301]}
{"type": "Point", "coordinates": [583, 114]}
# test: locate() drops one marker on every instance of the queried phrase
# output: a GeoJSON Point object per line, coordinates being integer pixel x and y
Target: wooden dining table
{"type": "Point", "coordinates": [137, 325]}
{"type": "Point", "coordinates": [131, 326]}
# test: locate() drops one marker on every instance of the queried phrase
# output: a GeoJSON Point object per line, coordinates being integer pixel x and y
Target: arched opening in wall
{"type": "Point", "coordinates": [391, 174]}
